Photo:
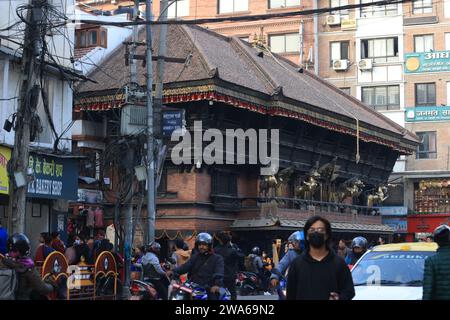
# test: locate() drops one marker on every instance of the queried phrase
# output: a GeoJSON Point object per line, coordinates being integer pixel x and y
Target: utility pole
{"type": "Point", "coordinates": [29, 94]}
{"type": "Point", "coordinates": [130, 159]}
{"type": "Point", "coordinates": [150, 142]}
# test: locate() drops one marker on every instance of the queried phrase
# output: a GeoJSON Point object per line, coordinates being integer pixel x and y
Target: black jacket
{"type": "Point", "coordinates": [309, 279]}
{"type": "Point", "coordinates": [204, 270]}
{"type": "Point", "coordinates": [231, 257]}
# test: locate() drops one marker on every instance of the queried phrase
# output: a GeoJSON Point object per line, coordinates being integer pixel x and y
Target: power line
{"type": "Point", "coordinates": [246, 18]}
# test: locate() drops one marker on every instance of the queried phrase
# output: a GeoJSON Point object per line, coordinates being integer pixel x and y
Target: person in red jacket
{"type": "Point", "coordinates": [57, 243]}
{"type": "Point", "coordinates": [44, 249]}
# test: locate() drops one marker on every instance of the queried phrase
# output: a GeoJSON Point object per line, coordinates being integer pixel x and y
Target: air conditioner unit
{"type": "Point", "coordinates": [133, 119]}
{"type": "Point", "coordinates": [340, 64]}
{"type": "Point", "coordinates": [365, 64]}
{"type": "Point", "coordinates": [333, 20]}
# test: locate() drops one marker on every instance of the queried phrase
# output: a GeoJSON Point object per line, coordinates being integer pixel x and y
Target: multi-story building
{"type": "Point", "coordinates": [291, 37]}
{"type": "Point", "coordinates": [54, 174]}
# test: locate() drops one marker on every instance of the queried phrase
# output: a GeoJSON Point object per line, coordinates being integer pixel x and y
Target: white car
{"type": "Point", "coordinates": [392, 271]}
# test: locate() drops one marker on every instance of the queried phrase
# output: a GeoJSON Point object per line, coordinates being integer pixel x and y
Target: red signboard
{"type": "Point", "coordinates": [426, 222]}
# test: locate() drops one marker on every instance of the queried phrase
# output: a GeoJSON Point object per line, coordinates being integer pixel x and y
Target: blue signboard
{"type": "Point", "coordinates": [393, 211]}
{"type": "Point", "coordinates": [53, 177]}
{"type": "Point", "coordinates": [400, 225]}
{"type": "Point", "coordinates": [427, 114]}
{"type": "Point", "coordinates": [172, 120]}
{"type": "Point", "coordinates": [421, 62]}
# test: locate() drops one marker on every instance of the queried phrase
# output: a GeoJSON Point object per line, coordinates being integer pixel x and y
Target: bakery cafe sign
{"type": "Point", "coordinates": [52, 177]}
{"type": "Point", "coordinates": [422, 62]}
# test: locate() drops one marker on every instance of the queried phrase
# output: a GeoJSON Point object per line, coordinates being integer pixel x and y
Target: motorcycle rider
{"type": "Point", "coordinates": [204, 268]}
{"type": "Point", "coordinates": [359, 247]}
{"type": "Point", "coordinates": [152, 270]}
{"type": "Point", "coordinates": [29, 283]}
{"type": "Point", "coordinates": [231, 255]}
{"type": "Point", "coordinates": [297, 240]}
{"type": "Point", "coordinates": [257, 266]}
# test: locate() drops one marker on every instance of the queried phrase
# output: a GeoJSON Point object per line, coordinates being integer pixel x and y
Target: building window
{"type": "Point", "coordinates": [178, 8]}
{"type": "Point", "coordinates": [382, 98]}
{"type": "Point", "coordinates": [338, 51]}
{"type": "Point", "coordinates": [224, 183]}
{"type": "Point", "coordinates": [447, 41]}
{"type": "Point", "coordinates": [96, 37]}
{"type": "Point", "coordinates": [339, 3]}
{"type": "Point", "coordinates": [230, 6]}
{"type": "Point", "coordinates": [378, 11]}
{"type": "Point", "coordinates": [427, 149]}
{"type": "Point", "coordinates": [448, 93]}
{"type": "Point", "coordinates": [425, 94]}
{"type": "Point", "coordinates": [424, 43]}
{"type": "Point", "coordinates": [283, 3]}
{"type": "Point", "coordinates": [380, 50]}
{"type": "Point", "coordinates": [422, 6]}
{"type": "Point", "coordinates": [285, 43]}
{"type": "Point", "coordinates": [346, 90]}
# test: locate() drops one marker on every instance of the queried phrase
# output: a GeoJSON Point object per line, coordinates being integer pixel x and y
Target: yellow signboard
{"type": "Point", "coordinates": [5, 155]}
{"type": "Point", "coordinates": [348, 24]}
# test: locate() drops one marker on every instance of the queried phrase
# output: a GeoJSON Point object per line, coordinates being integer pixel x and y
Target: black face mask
{"type": "Point", "coordinates": [358, 255]}
{"type": "Point", "coordinates": [316, 240]}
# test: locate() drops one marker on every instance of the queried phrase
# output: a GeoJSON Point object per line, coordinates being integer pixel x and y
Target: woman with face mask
{"type": "Point", "coordinates": [318, 273]}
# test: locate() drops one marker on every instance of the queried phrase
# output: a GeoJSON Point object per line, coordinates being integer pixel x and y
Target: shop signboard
{"type": "Point", "coordinates": [434, 113]}
{"type": "Point", "coordinates": [393, 211]}
{"type": "Point", "coordinates": [400, 225]}
{"type": "Point", "coordinates": [422, 62]}
{"type": "Point", "coordinates": [5, 155]}
{"type": "Point", "coordinates": [90, 196]}
{"type": "Point", "coordinates": [52, 177]}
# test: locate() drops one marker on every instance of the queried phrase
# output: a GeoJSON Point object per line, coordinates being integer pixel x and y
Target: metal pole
{"type": "Point", "coordinates": [130, 164]}
{"type": "Point", "coordinates": [150, 153]}
{"type": "Point", "coordinates": [316, 39]}
{"type": "Point", "coordinates": [301, 43]}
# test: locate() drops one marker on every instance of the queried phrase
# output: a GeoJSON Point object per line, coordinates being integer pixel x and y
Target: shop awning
{"type": "Point", "coordinates": [280, 224]}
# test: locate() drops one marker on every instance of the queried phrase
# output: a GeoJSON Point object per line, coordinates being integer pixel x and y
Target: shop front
{"type": "Point", "coordinates": [53, 183]}
{"type": "Point", "coordinates": [422, 225]}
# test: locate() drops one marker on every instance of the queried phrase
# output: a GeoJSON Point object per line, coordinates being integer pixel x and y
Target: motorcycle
{"type": "Point", "coordinates": [141, 290]}
{"type": "Point", "coordinates": [192, 291]}
{"type": "Point", "coordinates": [248, 283]}
{"type": "Point", "coordinates": [145, 290]}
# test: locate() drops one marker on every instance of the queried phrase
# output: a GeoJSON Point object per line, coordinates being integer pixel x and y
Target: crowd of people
{"type": "Point", "coordinates": [311, 267]}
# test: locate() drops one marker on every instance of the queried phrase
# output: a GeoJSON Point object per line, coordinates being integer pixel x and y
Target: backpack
{"type": "Point", "coordinates": [249, 263]}
{"type": "Point", "coordinates": [8, 284]}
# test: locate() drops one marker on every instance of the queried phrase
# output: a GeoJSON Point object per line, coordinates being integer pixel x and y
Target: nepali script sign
{"type": "Point", "coordinates": [54, 178]}
{"type": "Point", "coordinates": [422, 62]}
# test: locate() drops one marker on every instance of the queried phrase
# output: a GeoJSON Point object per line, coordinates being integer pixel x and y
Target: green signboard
{"type": "Point", "coordinates": [438, 61]}
{"type": "Point", "coordinates": [427, 114]}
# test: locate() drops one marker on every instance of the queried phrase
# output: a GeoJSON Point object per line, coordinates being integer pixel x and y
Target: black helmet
{"type": "Point", "coordinates": [256, 251]}
{"type": "Point", "coordinates": [441, 235]}
{"type": "Point", "coordinates": [203, 237]}
{"type": "Point", "coordinates": [154, 247]}
{"type": "Point", "coordinates": [360, 242]}
{"type": "Point", "coordinates": [19, 242]}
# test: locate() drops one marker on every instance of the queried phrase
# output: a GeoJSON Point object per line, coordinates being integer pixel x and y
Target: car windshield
{"type": "Point", "coordinates": [396, 268]}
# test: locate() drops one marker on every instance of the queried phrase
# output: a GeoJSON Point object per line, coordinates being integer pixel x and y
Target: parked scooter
{"type": "Point", "coordinates": [192, 291]}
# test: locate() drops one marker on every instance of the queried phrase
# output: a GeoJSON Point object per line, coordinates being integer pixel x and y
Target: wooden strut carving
{"type": "Point", "coordinates": [268, 185]}
{"type": "Point", "coordinates": [379, 197]}
{"type": "Point", "coordinates": [350, 188]}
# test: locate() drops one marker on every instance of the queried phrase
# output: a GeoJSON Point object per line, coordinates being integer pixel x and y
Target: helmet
{"type": "Point", "coordinates": [19, 242]}
{"type": "Point", "coordinates": [442, 235]}
{"type": "Point", "coordinates": [360, 242]}
{"type": "Point", "coordinates": [256, 251]}
{"type": "Point", "coordinates": [154, 247]}
{"type": "Point", "coordinates": [204, 237]}
{"type": "Point", "coordinates": [297, 236]}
